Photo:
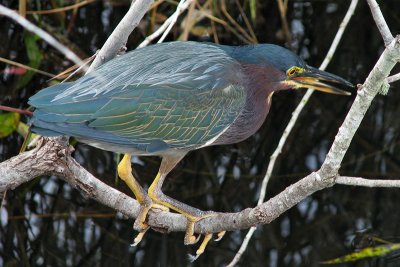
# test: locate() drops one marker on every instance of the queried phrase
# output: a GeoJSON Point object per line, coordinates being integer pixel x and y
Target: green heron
{"type": "Point", "coordinates": [172, 98]}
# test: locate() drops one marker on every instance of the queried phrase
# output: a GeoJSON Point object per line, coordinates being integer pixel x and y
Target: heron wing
{"type": "Point", "coordinates": [201, 66]}
{"type": "Point", "coordinates": [154, 114]}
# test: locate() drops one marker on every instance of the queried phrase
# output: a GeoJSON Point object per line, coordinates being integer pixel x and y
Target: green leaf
{"type": "Point", "coordinates": [364, 253]}
{"type": "Point", "coordinates": [34, 55]}
{"type": "Point", "coordinates": [8, 123]}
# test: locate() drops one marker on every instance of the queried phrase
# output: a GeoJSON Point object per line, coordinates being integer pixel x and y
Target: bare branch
{"type": "Point", "coordinates": [243, 247]}
{"type": "Point", "coordinates": [358, 181]}
{"type": "Point", "coordinates": [183, 5]}
{"type": "Point", "coordinates": [52, 157]}
{"type": "Point", "coordinates": [365, 95]}
{"type": "Point", "coordinates": [291, 124]}
{"type": "Point", "coordinates": [380, 22]}
{"type": "Point", "coordinates": [44, 35]}
{"type": "Point", "coordinates": [117, 40]}
{"type": "Point", "coordinates": [7, 61]}
{"type": "Point", "coordinates": [393, 78]}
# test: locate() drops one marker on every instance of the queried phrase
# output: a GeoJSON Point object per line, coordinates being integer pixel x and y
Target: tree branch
{"type": "Point", "coordinates": [44, 35]}
{"type": "Point", "coordinates": [358, 181]}
{"type": "Point", "coordinates": [167, 25]}
{"type": "Point", "coordinates": [52, 157]}
{"type": "Point", "coordinates": [380, 22]}
{"type": "Point", "coordinates": [365, 95]}
{"type": "Point", "coordinates": [119, 37]}
{"type": "Point", "coordinates": [393, 78]}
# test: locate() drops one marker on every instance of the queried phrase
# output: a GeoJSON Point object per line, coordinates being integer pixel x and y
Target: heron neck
{"type": "Point", "coordinates": [261, 80]}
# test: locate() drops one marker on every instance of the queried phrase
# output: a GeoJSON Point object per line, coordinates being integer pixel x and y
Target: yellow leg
{"type": "Point", "coordinates": [202, 247]}
{"type": "Point", "coordinates": [125, 173]}
{"type": "Point", "coordinates": [192, 214]}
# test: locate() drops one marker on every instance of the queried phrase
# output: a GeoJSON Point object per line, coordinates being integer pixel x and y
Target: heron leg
{"type": "Point", "coordinates": [192, 214]}
{"type": "Point", "coordinates": [125, 173]}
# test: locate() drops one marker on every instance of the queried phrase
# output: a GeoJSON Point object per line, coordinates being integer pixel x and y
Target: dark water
{"type": "Point", "coordinates": [47, 223]}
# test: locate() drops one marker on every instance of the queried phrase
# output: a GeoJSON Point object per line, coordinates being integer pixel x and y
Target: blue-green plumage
{"type": "Point", "coordinates": [154, 102]}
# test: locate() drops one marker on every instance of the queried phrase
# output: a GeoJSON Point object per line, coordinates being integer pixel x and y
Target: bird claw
{"type": "Point", "coordinates": [197, 239]}
{"type": "Point", "coordinates": [220, 235]}
{"type": "Point", "coordinates": [200, 250]}
{"type": "Point", "coordinates": [190, 240]}
{"type": "Point", "coordinates": [138, 238]}
{"type": "Point", "coordinates": [140, 224]}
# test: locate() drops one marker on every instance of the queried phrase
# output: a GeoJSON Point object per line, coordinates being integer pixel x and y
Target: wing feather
{"type": "Point", "coordinates": [148, 105]}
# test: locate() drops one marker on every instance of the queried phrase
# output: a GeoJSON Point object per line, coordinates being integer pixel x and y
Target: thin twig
{"type": "Point", "coordinates": [119, 36]}
{"type": "Point", "coordinates": [380, 22]}
{"type": "Point", "coordinates": [72, 19]}
{"type": "Point", "coordinates": [179, 9]}
{"type": "Point", "coordinates": [246, 21]}
{"type": "Point", "coordinates": [237, 26]}
{"type": "Point", "coordinates": [156, 4]}
{"type": "Point", "coordinates": [393, 78]}
{"type": "Point", "coordinates": [22, 8]}
{"type": "Point", "coordinates": [73, 69]}
{"type": "Point", "coordinates": [10, 62]}
{"type": "Point", "coordinates": [190, 22]}
{"type": "Point", "coordinates": [80, 68]}
{"type": "Point", "coordinates": [166, 24]}
{"type": "Point", "coordinates": [282, 11]}
{"type": "Point", "coordinates": [290, 126]}
{"type": "Point", "coordinates": [205, 12]}
{"type": "Point", "coordinates": [61, 9]}
{"type": "Point", "coordinates": [17, 110]}
{"type": "Point", "coordinates": [44, 35]}
{"type": "Point", "coordinates": [214, 32]}
{"type": "Point", "coordinates": [358, 181]}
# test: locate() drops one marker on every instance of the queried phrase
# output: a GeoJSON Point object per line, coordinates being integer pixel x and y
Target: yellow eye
{"type": "Point", "coordinates": [293, 70]}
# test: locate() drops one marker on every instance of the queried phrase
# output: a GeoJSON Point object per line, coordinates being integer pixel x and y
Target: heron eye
{"type": "Point", "coordinates": [293, 70]}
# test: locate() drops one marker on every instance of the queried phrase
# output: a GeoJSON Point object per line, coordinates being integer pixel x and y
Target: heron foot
{"type": "Point", "coordinates": [191, 239]}
{"type": "Point", "coordinates": [192, 214]}
{"type": "Point", "coordinates": [220, 235]}
{"type": "Point", "coordinates": [140, 223]}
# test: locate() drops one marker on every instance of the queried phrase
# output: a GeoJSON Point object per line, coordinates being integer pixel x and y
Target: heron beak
{"type": "Point", "coordinates": [321, 80]}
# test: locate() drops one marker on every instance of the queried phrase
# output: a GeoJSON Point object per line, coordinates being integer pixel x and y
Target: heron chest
{"type": "Point", "coordinates": [248, 122]}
